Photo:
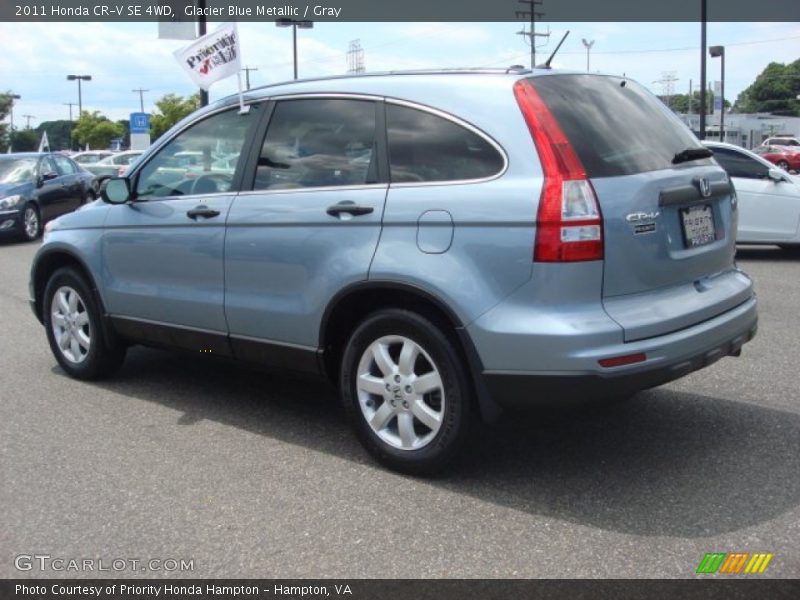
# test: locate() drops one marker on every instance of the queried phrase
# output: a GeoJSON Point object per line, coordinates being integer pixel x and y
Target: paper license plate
{"type": "Point", "coordinates": [698, 226]}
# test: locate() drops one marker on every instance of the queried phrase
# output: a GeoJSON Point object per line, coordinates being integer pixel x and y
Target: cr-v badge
{"type": "Point", "coordinates": [643, 222]}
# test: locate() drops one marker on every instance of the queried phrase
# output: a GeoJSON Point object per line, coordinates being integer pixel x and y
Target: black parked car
{"type": "Point", "coordinates": [38, 186]}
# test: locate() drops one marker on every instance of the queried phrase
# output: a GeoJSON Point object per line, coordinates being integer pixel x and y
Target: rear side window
{"type": "Point", "coordinates": [739, 165]}
{"type": "Point", "coordinates": [318, 143]}
{"type": "Point", "coordinates": [424, 147]}
{"type": "Point", "coordinates": [614, 125]}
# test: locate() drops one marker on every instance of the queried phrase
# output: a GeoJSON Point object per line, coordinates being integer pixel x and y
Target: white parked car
{"type": "Point", "coordinates": [790, 143]}
{"type": "Point", "coordinates": [769, 198]}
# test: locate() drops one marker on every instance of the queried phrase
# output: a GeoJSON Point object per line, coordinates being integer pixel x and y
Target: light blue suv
{"type": "Point", "coordinates": [439, 245]}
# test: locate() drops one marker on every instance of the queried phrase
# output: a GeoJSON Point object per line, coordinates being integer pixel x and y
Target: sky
{"type": "Point", "coordinates": [121, 57]}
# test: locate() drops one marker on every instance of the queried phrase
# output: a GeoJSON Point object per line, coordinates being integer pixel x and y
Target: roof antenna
{"type": "Point", "coordinates": [546, 64]}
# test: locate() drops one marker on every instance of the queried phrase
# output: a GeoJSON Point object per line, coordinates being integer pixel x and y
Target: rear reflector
{"type": "Point", "coordinates": [569, 225]}
{"type": "Point", "coordinates": [619, 361]}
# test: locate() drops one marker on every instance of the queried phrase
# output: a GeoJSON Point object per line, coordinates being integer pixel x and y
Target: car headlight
{"type": "Point", "coordinates": [10, 202]}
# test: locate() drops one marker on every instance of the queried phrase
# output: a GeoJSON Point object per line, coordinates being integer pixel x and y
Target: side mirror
{"type": "Point", "coordinates": [46, 177]}
{"type": "Point", "coordinates": [116, 190]}
{"type": "Point", "coordinates": [776, 175]}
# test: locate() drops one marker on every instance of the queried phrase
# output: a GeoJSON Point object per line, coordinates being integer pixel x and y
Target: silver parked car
{"type": "Point", "coordinates": [440, 245]}
{"type": "Point", "coordinates": [769, 198]}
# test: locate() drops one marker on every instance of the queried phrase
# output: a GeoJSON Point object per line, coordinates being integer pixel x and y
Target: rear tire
{"type": "Point", "coordinates": [75, 328]}
{"type": "Point", "coordinates": [406, 392]}
{"type": "Point", "coordinates": [782, 164]}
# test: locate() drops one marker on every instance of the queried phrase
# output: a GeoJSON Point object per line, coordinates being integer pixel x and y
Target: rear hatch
{"type": "Point", "coordinates": [668, 210]}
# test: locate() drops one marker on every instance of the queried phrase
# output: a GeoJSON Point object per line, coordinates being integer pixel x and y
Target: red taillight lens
{"type": "Point", "coordinates": [569, 223]}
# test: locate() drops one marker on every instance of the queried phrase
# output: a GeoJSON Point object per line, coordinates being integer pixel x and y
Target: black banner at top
{"type": "Point", "coordinates": [404, 10]}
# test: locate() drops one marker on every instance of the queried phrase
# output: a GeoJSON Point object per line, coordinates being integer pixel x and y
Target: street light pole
{"type": "Point", "coordinates": [294, 24]}
{"type": "Point", "coordinates": [11, 111]}
{"type": "Point", "coordinates": [79, 78]}
{"type": "Point", "coordinates": [588, 46]}
{"type": "Point", "coordinates": [719, 51]}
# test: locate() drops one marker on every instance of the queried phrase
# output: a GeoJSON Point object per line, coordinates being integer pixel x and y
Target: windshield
{"type": "Point", "coordinates": [18, 170]}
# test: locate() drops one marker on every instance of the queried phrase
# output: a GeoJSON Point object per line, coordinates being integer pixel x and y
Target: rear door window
{"type": "Point", "coordinates": [424, 147]}
{"type": "Point", "coordinates": [614, 124]}
{"type": "Point", "coordinates": [318, 142]}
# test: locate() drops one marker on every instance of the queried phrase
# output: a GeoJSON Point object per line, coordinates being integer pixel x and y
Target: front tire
{"type": "Point", "coordinates": [406, 391]}
{"type": "Point", "coordinates": [75, 329]}
{"type": "Point", "coordinates": [782, 164]}
{"type": "Point", "coordinates": [31, 222]}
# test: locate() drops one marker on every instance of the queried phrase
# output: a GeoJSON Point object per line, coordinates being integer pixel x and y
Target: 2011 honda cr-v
{"type": "Point", "coordinates": [437, 244]}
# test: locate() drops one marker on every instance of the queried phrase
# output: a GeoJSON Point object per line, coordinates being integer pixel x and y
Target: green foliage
{"type": "Point", "coordinates": [170, 109]}
{"type": "Point", "coordinates": [679, 103]}
{"type": "Point", "coordinates": [95, 130]}
{"type": "Point", "coordinates": [24, 140]}
{"type": "Point", "coordinates": [57, 133]}
{"type": "Point", "coordinates": [774, 91]}
{"type": "Point", "coordinates": [5, 105]}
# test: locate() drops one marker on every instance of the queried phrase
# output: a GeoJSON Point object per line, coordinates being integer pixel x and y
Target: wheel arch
{"type": "Point", "coordinates": [48, 263]}
{"type": "Point", "coordinates": [348, 308]}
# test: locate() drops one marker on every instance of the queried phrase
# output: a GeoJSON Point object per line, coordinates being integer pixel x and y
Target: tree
{"type": "Point", "coordinates": [24, 140]}
{"type": "Point", "coordinates": [5, 106]}
{"type": "Point", "coordinates": [774, 91]}
{"type": "Point", "coordinates": [170, 109]}
{"type": "Point", "coordinates": [95, 130]}
{"type": "Point", "coordinates": [58, 133]}
{"type": "Point", "coordinates": [679, 103]}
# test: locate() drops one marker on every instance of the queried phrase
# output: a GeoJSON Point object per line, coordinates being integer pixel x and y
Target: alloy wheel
{"type": "Point", "coordinates": [31, 222]}
{"type": "Point", "coordinates": [400, 392]}
{"type": "Point", "coordinates": [70, 322]}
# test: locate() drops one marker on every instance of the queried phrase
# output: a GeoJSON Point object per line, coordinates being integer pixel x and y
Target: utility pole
{"type": "Point", "coordinates": [70, 104]}
{"type": "Point", "coordinates": [666, 81]}
{"type": "Point", "coordinates": [247, 74]}
{"type": "Point", "coordinates": [141, 92]}
{"type": "Point", "coordinates": [689, 110]}
{"type": "Point", "coordinates": [11, 111]}
{"type": "Point", "coordinates": [703, 19]}
{"type": "Point", "coordinates": [588, 46]}
{"type": "Point", "coordinates": [355, 57]}
{"type": "Point", "coordinates": [28, 122]}
{"type": "Point", "coordinates": [531, 14]}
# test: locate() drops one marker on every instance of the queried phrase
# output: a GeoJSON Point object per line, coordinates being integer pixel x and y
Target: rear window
{"type": "Point", "coordinates": [615, 126]}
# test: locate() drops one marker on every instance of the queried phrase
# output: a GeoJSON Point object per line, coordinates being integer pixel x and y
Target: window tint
{"type": "Point", "coordinates": [615, 126]}
{"type": "Point", "coordinates": [64, 165]}
{"type": "Point", "coordinates": [200, 160]}
{"type": "Point", "coordinates": [426, 147]}
{"type": "Point", "coordinates": [48, 166]}
{"type": "Point", "coordinates": [739, 165]}
{"type": "Point", "coordinates": [318, 142]}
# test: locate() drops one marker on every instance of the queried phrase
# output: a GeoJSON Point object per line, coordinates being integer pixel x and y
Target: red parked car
{"type": "Point", "coordinates": [780, 156]}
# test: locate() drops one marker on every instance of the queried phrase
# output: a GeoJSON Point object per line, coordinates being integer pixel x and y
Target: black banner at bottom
{"type": "Point", "coordinates": [391, 589]}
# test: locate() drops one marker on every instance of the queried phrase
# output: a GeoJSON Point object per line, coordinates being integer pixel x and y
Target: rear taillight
{"type": "Point", "coordinates": [121, 171]}
{"type": "Point", "coordinates": [569, 225]}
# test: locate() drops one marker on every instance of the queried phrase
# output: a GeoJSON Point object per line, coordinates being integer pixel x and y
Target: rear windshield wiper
{"type": "Point", "coordinates": [691, 154]}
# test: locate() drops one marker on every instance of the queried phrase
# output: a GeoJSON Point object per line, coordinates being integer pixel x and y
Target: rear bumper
{"type": "Point", "coordinates": [668, 357]}
{"type": "Point", "coordinates": [530, 389]}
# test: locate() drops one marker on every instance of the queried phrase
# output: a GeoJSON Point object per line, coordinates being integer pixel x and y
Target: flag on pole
{"type": "Point", "coordinates": [212, 57]}
{"type": "Point", "coordinates": [43, 143]}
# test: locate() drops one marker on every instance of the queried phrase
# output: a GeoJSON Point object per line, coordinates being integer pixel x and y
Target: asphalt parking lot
{"type": "Point", "coordinates": [253, 474]}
